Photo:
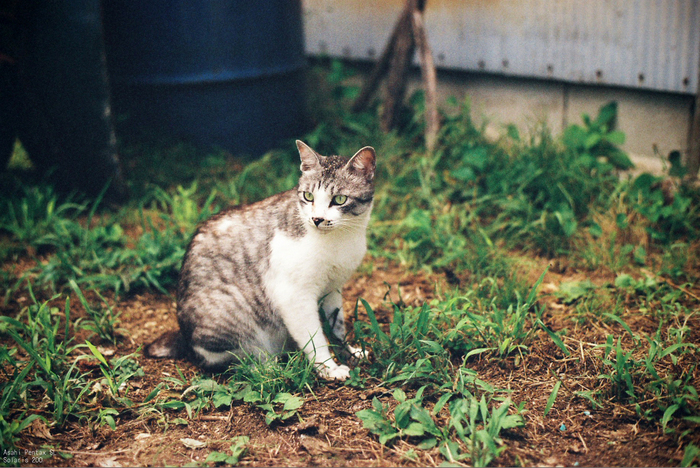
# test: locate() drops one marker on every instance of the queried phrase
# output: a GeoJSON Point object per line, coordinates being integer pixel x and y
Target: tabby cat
{"type": "Point", "coordinates": [253, 276]}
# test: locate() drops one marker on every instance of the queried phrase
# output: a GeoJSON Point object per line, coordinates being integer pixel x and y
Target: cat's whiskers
{"type": "Point", "coordinates": [349, 225]}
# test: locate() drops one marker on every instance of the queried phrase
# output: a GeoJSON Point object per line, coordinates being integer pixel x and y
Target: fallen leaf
{"type": "Point", "coordinates": [107, 462]}
{"type": "Point", "coordinates": [106, 352]}
{"type": "Point", "coordinates": [39, 430]}
{"type": "Point", "coordinates": [193, 443]}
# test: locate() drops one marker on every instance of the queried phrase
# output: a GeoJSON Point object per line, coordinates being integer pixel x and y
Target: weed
{"type": "Point", "coordinates": [670, 219]}
{"type": "Point", "coordinates": [237, 449]}
{"type": "Point", "coordinates": [478, 429]}
{"type": "Point", "coordinates": [690, 454]}
{"type": "Point", "coordinates": [622, 367]}
{"type": "Point", "coordinates": [266, 385]}
{"type": "Point", "coordinates": [597, 140]}
{"type": "Point", "coordinates": [54, 374]}
{"type": "Point", "coordinates": [102, 322]}
{"type": "Point", "coordinates": [570, 292]}
{"type": "Point", "coordinates": [552, 398]}
{"type": "Point", "coordinates": [36, 218]}
{"type": "Point", "coordinates": [117, 373]}
{"type": "Point", "coordinates": [470, 423]}
{"type": "Point", "coordinates": [638, 380]}
{"type": "Point", "coordinates": [280, 408]}
{"type": "Point", "coordinates": [410, 419]}
{"type": "Point", "coordinates": [409, 352]}
{"type": "Point", "coordinates": [11, 389]}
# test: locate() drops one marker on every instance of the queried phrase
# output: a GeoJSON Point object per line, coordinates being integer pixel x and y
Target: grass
{"type": "Point", "coordinates": [460, 213]}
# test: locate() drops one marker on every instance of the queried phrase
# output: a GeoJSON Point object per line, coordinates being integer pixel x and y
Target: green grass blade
{"type": "Point", "coordinates": [554, 337]}
{"type": "Point", "coordinates": [533, 292]}
{"type": "Point", "coordinates": [690, 454]}
{"type": "Point", "coordinates": [96, 352]}
{"type": "Point", "coordinates": [374, 323]}
{"type": "Point", "coordinates": [617, 319]}
{"type": "Point", "coordinates": [552, 398]}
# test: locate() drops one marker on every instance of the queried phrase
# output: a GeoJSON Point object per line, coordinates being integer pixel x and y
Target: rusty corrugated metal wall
{"type": "Point", "coordinates": [649, 44]}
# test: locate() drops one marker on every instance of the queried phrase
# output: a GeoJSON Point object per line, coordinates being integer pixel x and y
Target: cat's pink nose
{"type": "Point", "coordinates": [317, 221]}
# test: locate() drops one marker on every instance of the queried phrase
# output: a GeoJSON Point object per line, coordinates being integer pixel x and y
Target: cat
{"type": "Point", "coordinates": [253, 276]}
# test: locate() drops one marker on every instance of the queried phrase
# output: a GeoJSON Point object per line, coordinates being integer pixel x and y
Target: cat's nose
{"type": "Point", "coordinates": [317, 221]}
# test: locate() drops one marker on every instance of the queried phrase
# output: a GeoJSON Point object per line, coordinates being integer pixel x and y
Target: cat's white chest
{"type": "Point", "coordinates": [316, 262]}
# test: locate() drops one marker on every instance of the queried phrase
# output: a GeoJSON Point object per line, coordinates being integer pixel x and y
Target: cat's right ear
{"type": "Point", "coordinates": [309, 157]}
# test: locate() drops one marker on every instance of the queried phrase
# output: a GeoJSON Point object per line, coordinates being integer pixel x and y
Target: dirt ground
{"type": "Point", "coordinates": [329, 434]}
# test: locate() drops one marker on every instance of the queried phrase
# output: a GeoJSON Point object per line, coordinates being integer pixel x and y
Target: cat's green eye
{"type": "Point", "coordinates": [308, 196]}
{"type": "Point", "coordinates": [340, 199]}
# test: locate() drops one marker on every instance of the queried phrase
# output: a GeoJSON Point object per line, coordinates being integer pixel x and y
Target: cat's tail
{"type": "Point", "coordinates": [170, 345]}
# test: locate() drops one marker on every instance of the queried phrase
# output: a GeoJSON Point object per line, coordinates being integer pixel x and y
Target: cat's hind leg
{"type": "Point", "coordinates": [211, 352]}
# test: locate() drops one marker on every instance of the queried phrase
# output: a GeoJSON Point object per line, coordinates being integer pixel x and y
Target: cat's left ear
{"type": "Point", "coordinates": [363, 162]}
{"type": "Point", "coordinates": [309, 157]}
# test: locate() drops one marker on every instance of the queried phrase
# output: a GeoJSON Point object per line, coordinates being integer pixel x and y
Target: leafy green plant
{"type": "Point", "coordinates": [497, 331]}
{"type": "Point", "coordinates": [598, 139]}
{"type": "Point", "coordinates": [656, 396]}
{"type": "Point", "coordinates": [690, 454]}
{"type": "Point", "coordinates": [670, 220]}
{"type": "Point", "coordinates": [409, 352]}
{"type": "Point", "coordinates": [572, 291]}
{"type": "Point", "coordinates": [117, 373]}
{"type": "Point", "coordinates": [472, 432]}
{"type": "Point", "coordinates": [479, 429]}
{"type": "Point", "coordinates": [282, 407]}
{"type": "Point", "coordinates": [10, 429]}
{"type": "Point", "coordinates": [237, 449]}
{"type": "Point", "coordinates": [410, 419]}
{"type": "Point", "coordinates": [12, 422]}
{"type": "Point", "coordinates": [621, 367]}
{"type": "Point", "coordinates": [267, 385]}
{"type": "Point", "coordinates": [181, 209]}
{"type": "Point", "coordinates": [552, 398]}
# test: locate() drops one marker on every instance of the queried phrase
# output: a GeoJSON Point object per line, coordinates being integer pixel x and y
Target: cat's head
{"type": "Point", "coordinates": [335, 193]}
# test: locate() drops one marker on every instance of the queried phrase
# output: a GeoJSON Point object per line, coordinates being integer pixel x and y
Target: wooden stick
{"type": "Point", "coordinates": [427, 66]}
{"type": "Point", "coordinates": [382, 66]}
{"type": "Point", "coordinates": [693, 161]}
{"type": "Point", "coordinates": [398, 68]}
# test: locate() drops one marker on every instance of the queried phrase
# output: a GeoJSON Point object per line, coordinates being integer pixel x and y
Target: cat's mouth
{"type": "Point", "coordinates": [324, 226]}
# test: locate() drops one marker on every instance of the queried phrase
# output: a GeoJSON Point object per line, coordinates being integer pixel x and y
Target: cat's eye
{"type": "Point", "coordinates": [340, 199]}
{"type": "Point", "coordinates": [308, 196]}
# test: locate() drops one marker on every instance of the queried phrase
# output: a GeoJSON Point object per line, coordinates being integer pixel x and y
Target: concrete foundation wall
{"type": "Point", "coordinates": [655, 123]}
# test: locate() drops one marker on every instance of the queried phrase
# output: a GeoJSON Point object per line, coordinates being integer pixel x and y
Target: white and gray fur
{"type": "Point", "coordinates": [253, 276]}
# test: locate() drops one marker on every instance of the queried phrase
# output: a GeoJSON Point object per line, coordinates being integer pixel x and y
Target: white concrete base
{"type": "Point", "coordinates": [655, 123]}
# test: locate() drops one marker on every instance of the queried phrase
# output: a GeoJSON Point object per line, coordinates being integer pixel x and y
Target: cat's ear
{"type": "Point", "coordinates": [309, 157]}
{"type": "Point", "coordinates": [363, 162]}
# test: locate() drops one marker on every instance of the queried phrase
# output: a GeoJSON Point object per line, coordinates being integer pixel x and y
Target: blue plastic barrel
{"type": "Point", "coordinates": [227, 73]}
{"type": "Point", "coordinates": [54, 95]}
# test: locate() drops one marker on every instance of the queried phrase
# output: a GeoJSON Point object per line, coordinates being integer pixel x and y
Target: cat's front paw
{"type": "Point", "coordinates": [340, 373]}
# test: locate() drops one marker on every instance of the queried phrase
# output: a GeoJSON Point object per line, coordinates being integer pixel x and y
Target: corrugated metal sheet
{"type": "Point", "coordinates": [652, 44]}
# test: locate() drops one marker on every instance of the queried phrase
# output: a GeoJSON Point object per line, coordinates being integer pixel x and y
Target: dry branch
{"type": "Point", "coordinates": [427, 66]}
{"type": "Point", "coordinates": [409, 33]}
